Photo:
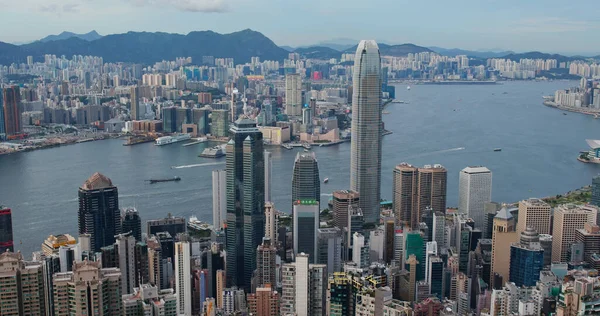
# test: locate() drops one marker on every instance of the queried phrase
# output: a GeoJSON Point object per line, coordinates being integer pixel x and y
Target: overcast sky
{"type": "Point", "coordinates": [520, 25]}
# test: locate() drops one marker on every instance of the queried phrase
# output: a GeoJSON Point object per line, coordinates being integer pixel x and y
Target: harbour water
{"type": "Point", "coordinates": [453, 125]}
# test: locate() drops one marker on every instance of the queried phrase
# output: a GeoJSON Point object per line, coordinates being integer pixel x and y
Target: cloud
{"type": "Point", "coordinates": [56, 8]}
{"type": "Point", "coordinates": [207, 6]}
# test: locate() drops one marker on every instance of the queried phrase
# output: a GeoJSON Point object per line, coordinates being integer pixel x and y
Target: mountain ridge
{"type": "Point", "coordinates": [90, 36]}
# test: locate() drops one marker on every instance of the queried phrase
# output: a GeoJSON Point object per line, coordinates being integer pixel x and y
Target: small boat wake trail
{"type": "Point", "coordinates": [198, 165]}
{"type": "Point", "coordinates": [431, 153]}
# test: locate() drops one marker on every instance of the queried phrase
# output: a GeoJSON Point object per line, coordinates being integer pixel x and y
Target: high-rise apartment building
{"type": "Point", "coordinates": [131, 223]}
{"type": "Point", "coordinates": [11, 97]}
{"type": "Point", "coordinates": [305, 229]}
{"type": "Point", "coordinates": [568, 218]}
{"type": "Point", "coordinates": [245, 201]}
{"type": "Point", "coordinates": [416, 189]}
{"type": "Point", "coordinates": [125, 245]}
{"type": "Point", "coordinates": [264, 302]}
{"type": "Point", "coordinates": [2, 127]}
{"type": "Point", "coordinates": [475, 190]}
{"type": "Point", "coordinates": [271, 222]}
{"type": "Point", "coordinates": [221, 285]}
{"type": "Point", "coordinates": [21, 286]}
{"type": "Point", "coordinates": [219, 195]}
{"type": "Point", "coordinates": [288, 288]}
{"type": "Point", "coordinates": [305, 179]}
{"type": "Point", "coordinates": [367, 127]}
{"type": "Point", "coordinates": [183, 278]}
{"type": "Point", "coordinates": [87, 289]}
{"type": "Point", "coordinates": [534, 213]}
{"type": "Point", "coordinates": [526, 259]}
{"type": "Point", "coordinates": [6, 231]}
{"type": "Point", "coordinates": [265, 265]}
{"type": "Point", "coordinates": [135, 103]}
{"type": "Point", "coordinates": [342, 200]}
{"type": "Point", "coordinates": [99, 214]}
{"type": "Point", "coordinates": [293, 95]}
{"type": "Point", "coordinates": [150, 300]}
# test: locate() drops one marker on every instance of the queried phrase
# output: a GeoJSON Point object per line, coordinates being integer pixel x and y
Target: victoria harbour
{"type": "Point", "coordinates": [456, 126]}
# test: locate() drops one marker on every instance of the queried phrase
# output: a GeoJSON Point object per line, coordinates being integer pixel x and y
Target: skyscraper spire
{"type": "Point", "coordinates": [365, 160]}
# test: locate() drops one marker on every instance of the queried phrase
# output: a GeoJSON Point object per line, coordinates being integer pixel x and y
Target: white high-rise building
{"type": "Point", "coordinates": [293, 94]}
{"type": "Point", "coordinates": [126, 248]}
{"type": "Point", "coordinates": [271, 222]}
{"type": "Point", "coordinates": [376, 241]}
{"type": "Point", "coordinates": [358, 255]}
{"type": "Point", "coordinates": [475, 190]}
{"type": "Point", "coordinates": [183, 278]}
{"type": "Point", "coordinates": [365, 154]}
{"type": "Point", "coordinates": [219, 182]}
{"type": "Point", "coordinates": [268, 176]}
{"type": "Point", "coordinates": [438, 233]}
{"type": "Point", "coordinates": [302, 285]}
{"type": "Point", "coordinates": [431, 250]}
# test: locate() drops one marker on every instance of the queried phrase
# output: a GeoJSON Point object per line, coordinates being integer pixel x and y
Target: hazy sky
{"type": "Point", "coordinates": [520, 25]}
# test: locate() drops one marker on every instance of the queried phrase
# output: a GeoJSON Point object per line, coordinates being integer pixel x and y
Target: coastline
{"type": "Point", "coordinates": [551, 104]}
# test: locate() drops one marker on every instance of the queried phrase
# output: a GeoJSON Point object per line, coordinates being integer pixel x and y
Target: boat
{"type": "Point", "coordinates": [564, 113]}
{"type": "Point", "coordinates": [497, 149]}
{"type": "Point", "coordinates": [166, 140]}
{"type": "Point", "coordinates": [287, 146]}
{"type": "Point", "coordinates": [385, 112]}
{"type": "Point", "coordinates": [325, 180]}
{"type": "Point", "coordinates": [306, 146]}
{"type": "Point", "coordinates": [407, 87]}
{"type": "Point", "coordinates": [152, 181]}
{"type": "Point", "coordinates": [214, 152]}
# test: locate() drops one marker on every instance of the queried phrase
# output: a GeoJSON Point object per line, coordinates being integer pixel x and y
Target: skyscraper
{"type": "Point", "coordinates": [503, 234]}
{"type": "Point", "coordinates": [6, 231]}
{"type": "Point", "coordinates": [329, 245]}
{"type": "Point", "coordinates": [568, 218]}
{"type": "Point", "coordinates": [475, 189]}
{"type": "Point", "coordinates": [245, 201]}
{"type": "Point", "coordinates": [415, 189]}
{"type": "Point", "coordinates": [589, 236]}
{"type": "Point", "coordinates": [342, 200]}
{"type": "Point", "coordinates": [306, 226]}
{"type": "Point", "coordinates": [131, 223]}
{"type": "Point", "coordinates": [135, 103]}
{"type": "Point", "coordinates": [2, 127]}
{"type": "Point", "coordinates": [265, 264]}
{"type": "Point", "coordinates": [219, 190]}
{"type": "Point", "coordinates": [365, 157]}
{"type": "Point", "coordinates": [534, 213]}
{"type": "Point", "coordinates": [99, 213]}
{"type": "Point", "coordinates": [293, 95]}
{"type": "Point", "coordinates": [127, 265]}
{"type": "Point", "coordinates": [271, 224]}
{"type": "Point", "coordinates": [305, 179]}
{"type": "Point", "coordinates": [220, 123]}
{"type": "Point", "coordinates": [526, 259]}
{"type": "Point", "coordinates": [595, 187]}
{"type": "Point", "coordinates": [265, 302]}
{"type": "Point", "coordinates": [12, 110]}
{"type": "Point", "coordinates": [183, 281]}
{"type": "Point", "coordinates": [268, 175]}
{"type": "Point", "coordinates": [174, 225]}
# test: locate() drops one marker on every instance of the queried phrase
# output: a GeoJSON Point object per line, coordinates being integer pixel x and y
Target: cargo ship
{"type": "Point", "coordinates": [214, 152]}
{"type": "Point", "coordinates": [166, 140]}
{"type": "Point", "coordinates": [152, 181]}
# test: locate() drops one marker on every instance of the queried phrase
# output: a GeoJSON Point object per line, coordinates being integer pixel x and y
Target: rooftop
{"type": "Point", "coordinates": [96, 182]}
{"type": "Point", "coordinates": [476, 169]}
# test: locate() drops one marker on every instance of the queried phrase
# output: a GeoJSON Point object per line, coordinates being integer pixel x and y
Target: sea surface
{"type": "Point", "coordinates": [456, 126]}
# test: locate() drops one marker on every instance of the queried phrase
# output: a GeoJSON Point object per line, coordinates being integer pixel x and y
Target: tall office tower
{"type": "Point", "coordinates": [265, 302]}
{"type": "Point", "coordinates": [589, 236]}
{"type": "Point", "coordinates": [131, 223]}
{"type": "Point", "coordinates": [415, 189]}
{"type": "Point", "coordinates": [12, 110]}
{"type": "Point", "coordinates": [87, 289]}
{"type": "Point", "coordinates": [342, 200]}
{"type": "Point", "coordinates": [526, 259]}
{"type": "Point", "coordinates": [293, 95]}
{"type": "Point", "coordinates": [475, 189]}
{"type": "Point", "coordinates": [220, 123]}
{"type": "Point", "coordinates": [183, 278]}
{"type": "Point", "coordinates": [435, 273]}
{"type": "Point", "coordinates": [536, 214]}
{"type": "Point", "coordinates": [22, 286]}
{"type": "Point", "coordinates": [245, 201]}
{"type": "Point", "coordinates": [317, 276]}
{"type": "Point", "coordinates": [399, 247]}
{"type": "Point", "coordinates": [306, 226]}
{"type": "Point", "coordinates": [439, 229]}
{"type": "Point", "coordinates": [568, 218]}
{"type": "Point", "coordinates": [376, 244]}
{"type": "Point", "coordinates": [367, 126]}
{"type": "Point", "coordinates": [305, 179]}
{"type": "Point", "coordinates": [172, 224]}
{"type": "Point", "coordinates": [135, 103]}
{"type": "Point", "coordinates": [288, 289]}
{"type": "Point", "coordinates": [431, 250]}
{"type": "Point", "coordinates": [99, 213]}
{"type": "Point", "coordinates": [265, 265]}
{"type": "Point", "coordinates": [415, 246]}
{"type": "Point", "coordinates": [546, 243]}
{"type": "Point", "coordinates": [329, 245]}
{"type": "Point", "coordinates": [360, 251]}
{"type": "Point", "coordinates": [219, 195]}
{"type": "Point", "coordinates": [389, 228]}
{"type": "Point", "coordinates": [221, 284]}
{"type": "Point", "coordinates": [268, 175]}
{"type": "Point", "coordinates": [6, 231]}
{"type": "Point", "coordinates": [491, 208]}
{"type": "Point", "coordinates": [50, 266]}
{"type": "Point", "coordinates": [503, 234]}
{"type": "Point", "coordinates": [595, 189]}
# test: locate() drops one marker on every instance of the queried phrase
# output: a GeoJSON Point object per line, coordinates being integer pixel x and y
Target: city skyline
{"type": "Point", "coordinates": [536, 26]}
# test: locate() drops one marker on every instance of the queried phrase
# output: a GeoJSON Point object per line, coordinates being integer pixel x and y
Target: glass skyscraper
{"type": "Point", "coordinates": [526, 259]}
{"type": "Point", "coordinates": [365, 159]}
{"type": "Point", "coordinates": [245, 180]}
{"type": "Point", "coordinates": [305, 179]}
{"type": "Point", "coordinates": [595, 188]}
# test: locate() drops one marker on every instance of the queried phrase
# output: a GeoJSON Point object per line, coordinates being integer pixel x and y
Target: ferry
{"type": "Point", "coordinates": [306, 146]}
{"type": "Point", "coordinates": [497, 149]}
{"type": "Point", "coordinates": [407, 87]}
{"type": "Point", "coordinates": [152, 181]}
{"type": "Point", "coordinates": [287, 146]}
{"type": "Point", "coordinates": [326, 180]}
{"type": "Point", "coordinates": [166, 140]}
{"type": "Point", "coordinates": [214, 152]}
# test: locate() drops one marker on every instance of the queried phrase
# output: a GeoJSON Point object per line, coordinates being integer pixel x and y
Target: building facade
{"type": "Point", "coordinates": [306, 184]}
{"type": "Point", "coordinates": [475, 190]}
